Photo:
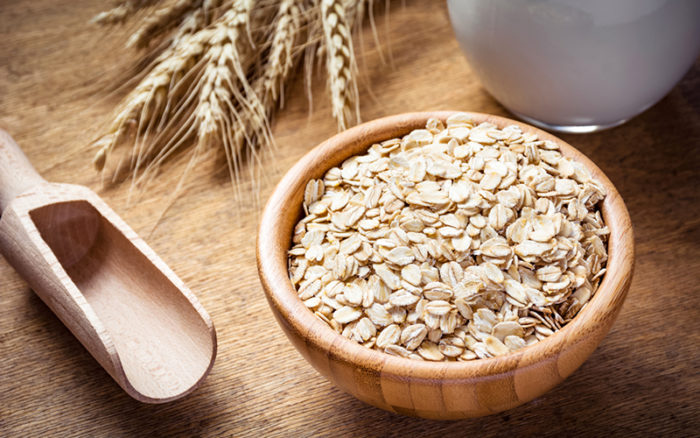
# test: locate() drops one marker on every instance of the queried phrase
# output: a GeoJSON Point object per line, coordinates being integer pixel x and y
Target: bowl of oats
{"type": "Point", "coordinates": [445, 265]}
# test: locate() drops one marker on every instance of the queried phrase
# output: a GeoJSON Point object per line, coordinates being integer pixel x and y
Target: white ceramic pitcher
{"type": "Point", "coordinates": [578, 65]}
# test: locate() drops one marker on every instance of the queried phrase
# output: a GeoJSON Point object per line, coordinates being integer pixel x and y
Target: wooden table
{"type": "Point", "coordinates": [55, 72]}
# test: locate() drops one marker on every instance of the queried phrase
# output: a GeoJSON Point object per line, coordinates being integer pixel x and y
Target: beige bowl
{"type": "Point", "coordinates": [439, 390]}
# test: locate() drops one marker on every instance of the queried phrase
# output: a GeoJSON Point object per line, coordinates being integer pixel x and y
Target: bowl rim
{"type": "Point", "coordinates": [275, 230]}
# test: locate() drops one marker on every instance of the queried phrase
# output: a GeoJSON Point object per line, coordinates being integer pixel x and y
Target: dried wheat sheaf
{"type": "Point", "coordinates": [219, 74]}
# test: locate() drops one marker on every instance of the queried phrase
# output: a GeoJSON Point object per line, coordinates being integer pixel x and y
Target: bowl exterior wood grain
{"type": "Point", "coordinates": [437, 390]}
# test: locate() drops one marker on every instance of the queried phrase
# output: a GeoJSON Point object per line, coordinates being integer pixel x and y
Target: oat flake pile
{"type": "Point", "coordinates": [456, 242]}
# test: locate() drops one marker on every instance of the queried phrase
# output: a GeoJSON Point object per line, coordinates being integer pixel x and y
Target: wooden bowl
{"type": "Point", "coordinates": [438, 390]}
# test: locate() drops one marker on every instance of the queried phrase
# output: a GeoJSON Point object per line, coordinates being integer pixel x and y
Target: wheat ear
{"type": "Point", "coordinates": [340, 62]}
{"type": "Point", "coordinates": [221, 75]}
{"type": "Point", "coordinates": [120, 12]}
{"type": "Point", "coordinates": [193, 22]}
{"type": "Point", "coordinates": [161, 96]}
{"type": "Point", "coordinates": [220, 110]}
{"type": "Point", "coordinates": [282, 57]}
{"type": "Point", "coordinates": [144, 108]}
{"type": "Point", "coordinates": [254, 130]}
{"type": "Point", "coordinates": [162, 20]}
{"type": "Point", "coordinates": [267, 87]}
{"type": "Point", "coordinates": [227, 61]}
{"type": "Point", "coordinates": [355, 11]}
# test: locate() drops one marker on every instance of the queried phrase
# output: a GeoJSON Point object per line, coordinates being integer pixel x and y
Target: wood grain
{"type": "Point", "coordinates": [643, 379]}
{"type": "Point", "coordinates": [447, 390]}
{"type": "Point", "coordinates": [129, 310]}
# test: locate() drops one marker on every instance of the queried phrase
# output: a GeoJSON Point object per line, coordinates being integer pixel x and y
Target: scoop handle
{"type": "Point", "coordinates": [17, 175]}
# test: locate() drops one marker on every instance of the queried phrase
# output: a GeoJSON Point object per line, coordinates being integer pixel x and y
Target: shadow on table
{"type": "Point", "coordinates": [610, 394]}
{"type": "Point", "coordinates": [77, 375]}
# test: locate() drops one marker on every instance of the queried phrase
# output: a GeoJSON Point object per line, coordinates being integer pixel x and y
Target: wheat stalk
{"type": "Point", "coordinates": [161, 21]}
{"type": "Point", "coordinates": [161, 94]}
{"type": "Point", "coordinates": [282, 57]}
{"type": "Point", "coordinates": [267, 88]}
{"type": "Point", "coordinates": [355, 11]}
{"type": "Point", "coordinates": [120, 12]}
{"type": "Point", "coordinates": [214, 91]}
{"type": "Point", "coordinates": [224, 77]}
{"type": "Point", "coordinates": [146, 105]}
{"type": "Point", "coordinates": [221, 74]}
{"type": "Point", "coordinates": [340, 63]}
{"type": "Point", "coordinates": [191, 23]}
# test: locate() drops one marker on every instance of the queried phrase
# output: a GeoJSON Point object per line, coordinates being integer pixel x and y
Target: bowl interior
{"type": "Point", "coordinates": [284, 210]}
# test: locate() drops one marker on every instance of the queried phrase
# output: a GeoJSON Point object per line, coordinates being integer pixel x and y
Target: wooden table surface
{"type": "Point", "coordinates": [55, 72]}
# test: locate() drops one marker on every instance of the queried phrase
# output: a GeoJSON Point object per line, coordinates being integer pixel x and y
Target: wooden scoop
{"type": "Point", "coordinates": [131, 312]}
